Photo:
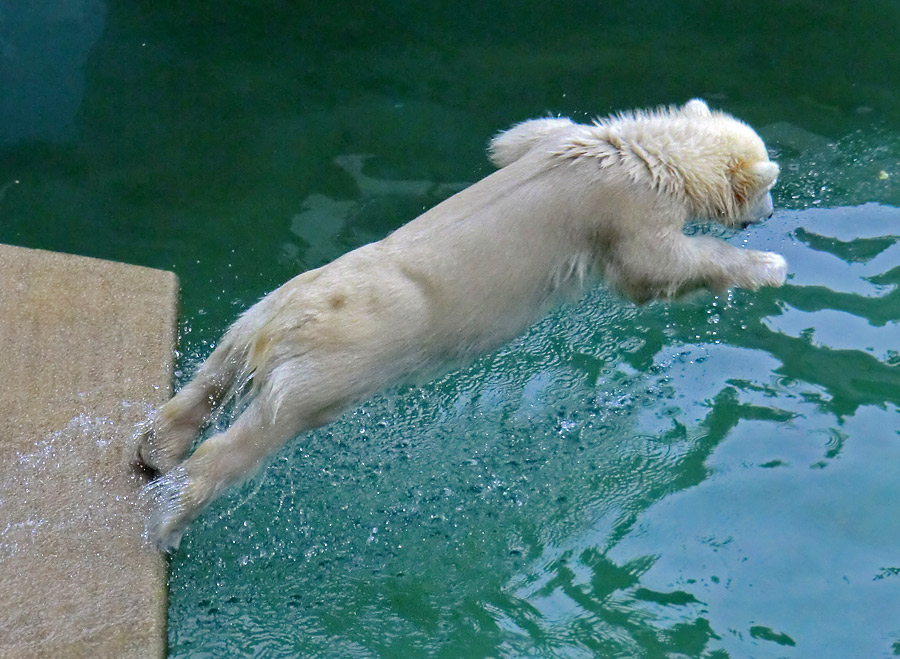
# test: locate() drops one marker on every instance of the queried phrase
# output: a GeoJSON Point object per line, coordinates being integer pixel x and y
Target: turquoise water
{"type": "Point", "coordinates": [717, 478]}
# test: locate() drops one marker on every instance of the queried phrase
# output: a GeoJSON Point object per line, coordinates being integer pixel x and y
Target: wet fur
{"type": "Point", "coordinates": [569, 204]}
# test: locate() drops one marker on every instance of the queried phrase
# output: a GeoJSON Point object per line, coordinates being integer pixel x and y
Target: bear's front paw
{"type": "Point", "coordinates": [766, 269]}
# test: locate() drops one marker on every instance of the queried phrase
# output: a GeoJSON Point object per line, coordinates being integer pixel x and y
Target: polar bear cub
{"type": "Point", "coordinates": [569, 204]}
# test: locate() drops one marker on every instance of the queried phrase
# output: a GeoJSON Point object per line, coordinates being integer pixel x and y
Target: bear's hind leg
{"type": "Point", "coordinates": [277, 413]}
{"type": "Point", "coordinates": [167, 437]}
{"type": "Point", "coordinates": [182, 493]}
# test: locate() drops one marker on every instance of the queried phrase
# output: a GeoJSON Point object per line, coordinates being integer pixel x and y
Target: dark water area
{"type": "Point", "coordinates": [713, 478]}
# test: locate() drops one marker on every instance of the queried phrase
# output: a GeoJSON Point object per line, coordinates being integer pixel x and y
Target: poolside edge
{"type": "Point", "coordinates": [87, 351]}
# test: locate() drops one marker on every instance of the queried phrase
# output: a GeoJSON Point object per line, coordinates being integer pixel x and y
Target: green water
{"type": "Point", "coordinates": [715, 479]}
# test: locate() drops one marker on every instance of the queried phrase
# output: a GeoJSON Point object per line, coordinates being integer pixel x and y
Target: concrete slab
{"type": "Point", "coordinates": [86, 348]}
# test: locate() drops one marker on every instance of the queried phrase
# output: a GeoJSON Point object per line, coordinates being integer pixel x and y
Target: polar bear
{"type": "Point", "coordinates": [569, 204]}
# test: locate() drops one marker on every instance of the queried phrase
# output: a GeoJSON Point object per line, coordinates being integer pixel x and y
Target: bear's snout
{"type": "Point", "coordinates": [748, 223]}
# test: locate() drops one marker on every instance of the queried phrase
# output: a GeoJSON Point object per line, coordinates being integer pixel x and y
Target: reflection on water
{"type": "Point", "coordinates": [780, 501]}
{"type": "Point", "coordinates": [324, 225]}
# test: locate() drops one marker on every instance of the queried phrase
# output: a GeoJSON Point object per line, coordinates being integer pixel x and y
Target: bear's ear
{"type": "Point", "coordinates": [696, 108]}
{"type": "Point", "coordinates": [766, 172]}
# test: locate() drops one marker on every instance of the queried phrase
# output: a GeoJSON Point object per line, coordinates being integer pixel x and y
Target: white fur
{"type": "Point", "coordinates": [569, 203]}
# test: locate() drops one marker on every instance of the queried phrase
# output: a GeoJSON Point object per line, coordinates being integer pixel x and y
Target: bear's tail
{"type": "Point", "coordinates": [512, 144]}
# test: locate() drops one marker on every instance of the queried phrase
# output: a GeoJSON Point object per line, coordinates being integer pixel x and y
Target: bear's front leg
{"type": "Point", "coordinates": [725, 266]}
{"type": "Point", "coordinates": [676, 266]}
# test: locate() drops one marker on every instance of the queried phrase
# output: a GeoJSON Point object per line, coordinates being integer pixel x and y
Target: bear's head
{"type": "Point", "coordinates": [709, 164]}
{"type": "Point", "coordinates": [733, 178]}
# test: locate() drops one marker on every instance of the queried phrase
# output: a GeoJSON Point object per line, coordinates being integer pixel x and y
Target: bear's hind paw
{"type": "Point", "coordinates": [166, 497]}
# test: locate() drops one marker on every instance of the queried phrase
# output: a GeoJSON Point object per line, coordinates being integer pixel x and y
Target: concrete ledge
{"type": "Point", "coordinates": [86, 348]}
